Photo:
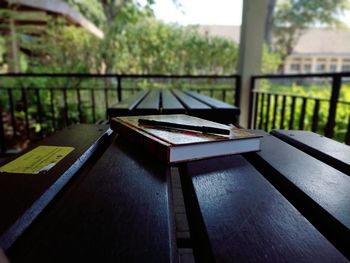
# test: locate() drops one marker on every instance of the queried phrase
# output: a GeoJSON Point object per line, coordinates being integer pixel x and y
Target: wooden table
{"type": "Point", "coordinates": [148, 102]}
{"type": "Point", "coordinates": [110, 202]}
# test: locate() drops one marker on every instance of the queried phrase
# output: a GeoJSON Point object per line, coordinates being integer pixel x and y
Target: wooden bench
{"type": "Point", "coordinates": [277, 205]}
{"type": "Point", "coordinates": [327, 150]}
{"type": "Point", "coordinates": [24, 196]}
{"type": "Point", "coordinates": [116, 210]}
{"type": "Point", "coordinates": [174, 102]}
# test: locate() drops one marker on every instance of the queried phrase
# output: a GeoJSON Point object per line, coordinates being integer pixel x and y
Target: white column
{"type": "Point", "coordinates": [250, 49]}
{"type": "Point", "coordinates": [339, 64]}
{"type": "Point", "coordinates": [313, 64]}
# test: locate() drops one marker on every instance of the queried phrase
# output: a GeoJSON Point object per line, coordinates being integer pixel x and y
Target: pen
{"type": "Point", "coordinates": [204, 129]}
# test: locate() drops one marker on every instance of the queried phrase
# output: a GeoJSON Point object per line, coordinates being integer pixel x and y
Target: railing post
{"type": "Point", "coordinates": [336, 84]}
{"type": "Point", "coordinates": [80, 112]}
{"type": "Point", "coordinates": [106, 101]}
{"type": "Point", "coordinates": [12, 112]}
{"type": "Point", "coordinates": [252, 97]}
{"type": "Point", "coordinates": [238, 91]}
{"type": "Point", "coordinates": [52, 107]}
{"type": "Point", "coordinates": [2, 133]}
{"type": "Point", "coordinates": [119, 88]}
{"type": "Point", "coordinates": [315, 116]}
{"type": "Point", "coordinates": [25, 108]}
{"type": "Point", "coordinates": [39, 110]}
{"type": "Point", "coordinates": [66, 121]}
{"type": "Point", "coordinates": [347, 136]}
{"type": "Point", "coordinates": [93, 105]}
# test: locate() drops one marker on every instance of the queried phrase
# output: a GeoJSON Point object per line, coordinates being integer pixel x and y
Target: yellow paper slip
{"type": "Point", "coordinates": [39, 160]}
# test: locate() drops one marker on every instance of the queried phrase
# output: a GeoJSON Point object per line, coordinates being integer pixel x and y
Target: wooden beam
{"type": "Point", "coordinates": [62, 8]}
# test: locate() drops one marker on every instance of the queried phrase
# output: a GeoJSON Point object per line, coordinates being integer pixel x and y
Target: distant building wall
{"type": "Point", "coordinates": [316, 63]}
{"type": "Point", "coordinates": [317, 51]}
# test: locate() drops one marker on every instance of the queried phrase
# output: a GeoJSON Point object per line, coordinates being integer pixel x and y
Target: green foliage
{"type": "Point", "coordinates": [91, 9]}
{"type": "Point", "coordinates": [150, 46]}
{"type": "Point", "coordinates": [270, 61]}
{"type": "Point", "coordinates": [312, 91]}
{"type": "Point", "coordinates": [64, 49]}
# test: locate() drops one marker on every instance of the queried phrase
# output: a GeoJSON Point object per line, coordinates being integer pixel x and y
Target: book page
{"type": "Point", "coordinates": [176, 136]}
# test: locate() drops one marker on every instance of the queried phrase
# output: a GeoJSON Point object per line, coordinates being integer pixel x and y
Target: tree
{"type": "Point", "coordinates": [292, 17]}
{"type": "Point", "coordinates": [152, 47]}
{"type": "Point", "coordinates": [2, 52]}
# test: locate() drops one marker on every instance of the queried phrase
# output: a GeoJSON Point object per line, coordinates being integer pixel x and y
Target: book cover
{"type": "Point", "coordinates": [178, 145]}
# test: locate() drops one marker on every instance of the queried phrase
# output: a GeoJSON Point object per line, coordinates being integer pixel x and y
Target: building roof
{"type": "Point", "coordinates": [312, 42]}
{"type": "Point", "coordinates": [61, 8]}
{"type": "Point", "coordinates": [229, 32]}
{"type": "Point", "coordinates": [323, 41]}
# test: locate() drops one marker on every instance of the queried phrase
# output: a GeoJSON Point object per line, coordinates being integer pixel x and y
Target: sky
{"type": "Point", "coordinates": [206, 12]}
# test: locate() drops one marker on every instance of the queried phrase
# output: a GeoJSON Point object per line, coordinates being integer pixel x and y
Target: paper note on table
{"type": "Point", "coordinates": [38, 160]}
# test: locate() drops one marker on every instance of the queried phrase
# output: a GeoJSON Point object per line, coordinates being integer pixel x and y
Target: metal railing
{"type": "Point", "coordinates": [35, 105]}
{"type": "Point", "coordinates": [280, 110]}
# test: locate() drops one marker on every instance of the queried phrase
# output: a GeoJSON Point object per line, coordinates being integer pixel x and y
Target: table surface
{"type": "Point", "coordinates": [148, 102]}
{"type": "Point", "coordinates": [108, 201]}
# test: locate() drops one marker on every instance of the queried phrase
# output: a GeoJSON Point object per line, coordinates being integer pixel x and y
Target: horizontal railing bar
{"type": "Point", "coordinates": [97, 88]}
{"type": "Point", "coordinates": [298, 96]}
{"type": "Point", "coordinates": [311, 75]}
{"type": "Point", "coordinates": [114, 75]}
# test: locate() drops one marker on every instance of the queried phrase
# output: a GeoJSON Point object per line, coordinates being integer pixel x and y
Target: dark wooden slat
{"type": "Point", "coordinates": [327, 150]}
{"type": "Point", "coordinates": [190, 102]}
{"type": "Point", "coordinates": [315, 116]}
{"type": "Point", "coordinates": [170, 104]}
{"type": "Point", "coordinates": [199, 109]}
{"type": "Point", "coordinates": [24, 196]}
{"type": "Point", "coordinates": [214, 103]}
{"type": "Point", "coordinates": [316, 189]}
{"type": "Point", "coordinates": [247, 220]}
{"type": "Point", "coordinates": [150, 104]}
{"type": "Point", "coordinates": [126, 106]}
{"type": "Point", "coordinates": [220, 111]}
{"type": "Point", "coordinates": [117, 211]}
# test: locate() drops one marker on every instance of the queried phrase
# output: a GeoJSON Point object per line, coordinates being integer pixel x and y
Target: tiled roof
{"type": "Point", "coordinates": [229, 32]}
{"type": "Point", "coordinates": [62, 8]}
{"type": "Point", "coordinates": [313, 41]}
{"type": "Point", "coordinates": [316, 41]}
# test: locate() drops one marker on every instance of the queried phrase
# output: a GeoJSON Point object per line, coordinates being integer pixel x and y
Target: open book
{"type": "Point", "coordinates": [181, 144]}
